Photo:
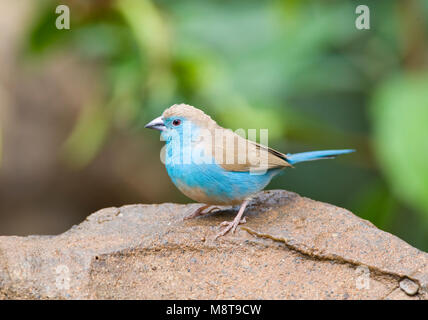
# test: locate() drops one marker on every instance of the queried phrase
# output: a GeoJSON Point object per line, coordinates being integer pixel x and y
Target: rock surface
{"type": "Point", "coordinates": [290, 248]}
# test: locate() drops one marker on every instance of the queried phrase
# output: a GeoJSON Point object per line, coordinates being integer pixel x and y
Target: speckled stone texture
{"type": "Point", "coordinates": [290, 248]}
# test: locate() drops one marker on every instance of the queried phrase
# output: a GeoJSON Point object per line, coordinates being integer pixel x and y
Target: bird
{"type": "Point", "coordinates": [215, 166]}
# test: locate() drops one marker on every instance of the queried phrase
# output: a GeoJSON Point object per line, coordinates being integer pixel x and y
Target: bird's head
{"type": "Point", "coordinates": [180, 119]}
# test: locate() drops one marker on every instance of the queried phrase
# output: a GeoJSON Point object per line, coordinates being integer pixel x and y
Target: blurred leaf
{"type": "Point", "coordinates": [43, 34]}
{"type": "Point", "coordinates": [243, 116]}
{"type": "Point", "coordinates": [152, 36]}
{"type": "Point", "coordinates": [376, 204]}
{"type": "Point", "coordinates": [102, 40]}
{"type": "Point", "coordinates": [87, 136]}
{"type": "Point", "coordinates": [400, 117]}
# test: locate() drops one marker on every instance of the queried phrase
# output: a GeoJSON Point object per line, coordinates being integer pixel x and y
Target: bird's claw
{"type": "Point", "coordinates": [211, 210]}
{"type": "Point", "coordinates": [200, 212]}
{"type": "Point", "coordinates": [193, 215]}
{"type": "Point", "coordinates": [230, 226]}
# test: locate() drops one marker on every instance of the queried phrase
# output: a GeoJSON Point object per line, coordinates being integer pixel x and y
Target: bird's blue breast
{"type": "Point", "coordinates": [210, 183]}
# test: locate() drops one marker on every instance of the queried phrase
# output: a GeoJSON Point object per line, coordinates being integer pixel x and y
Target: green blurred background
{"type": "Point", "coordinates": [73, 103]}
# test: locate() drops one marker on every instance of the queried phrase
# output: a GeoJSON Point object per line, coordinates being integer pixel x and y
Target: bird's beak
{"type": "Point", "coordinates": [156, 124]}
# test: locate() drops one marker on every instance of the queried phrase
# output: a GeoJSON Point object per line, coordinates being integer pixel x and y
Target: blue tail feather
{"type": "Point", "coordinates": [315, 155]}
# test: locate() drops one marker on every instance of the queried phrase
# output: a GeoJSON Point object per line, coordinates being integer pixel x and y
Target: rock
{"type": "Point", "coordinates": [290, 248]}
{"type": "Point", "coordinates": [409, 287]}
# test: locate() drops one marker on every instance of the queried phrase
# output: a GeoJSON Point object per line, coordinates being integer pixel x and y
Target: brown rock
{"type": "Point", "coordinates": [291, 248]}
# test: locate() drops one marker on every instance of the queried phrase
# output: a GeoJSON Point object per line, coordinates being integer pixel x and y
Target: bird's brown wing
{"type": "Point", "coordinates": [235, 153]}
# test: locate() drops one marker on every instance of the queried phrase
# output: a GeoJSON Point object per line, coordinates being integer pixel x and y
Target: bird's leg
{"type": "Point", "coordinates": [233, 224]}
{"type": "Point", "coordinates": [199, 212]}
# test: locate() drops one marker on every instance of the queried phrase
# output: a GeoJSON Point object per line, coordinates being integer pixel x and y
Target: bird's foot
{"type": "Point", "coordinates": [230, 226]}
{"type": "Point", "coordinates": [200, 212]}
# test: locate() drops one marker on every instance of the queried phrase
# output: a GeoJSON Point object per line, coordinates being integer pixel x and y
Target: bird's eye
{"type": "Point", "coordinates": [176, 122]}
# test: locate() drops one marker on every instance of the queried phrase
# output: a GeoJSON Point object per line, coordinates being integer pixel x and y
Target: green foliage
{"type": "Point", "coordinates": [376, 204]}
{"type": "Point", "coordinates": [129, 40]}
{"type": "Point", "coordinates": [42, 35]}
{"type": "Point", "coordinates": [400, 115]}
{"type": "Point", "coordinates": [88, 136]}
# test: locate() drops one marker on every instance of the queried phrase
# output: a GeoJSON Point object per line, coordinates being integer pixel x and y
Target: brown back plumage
{"type": "Point", "coordinates": [231, 151]}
